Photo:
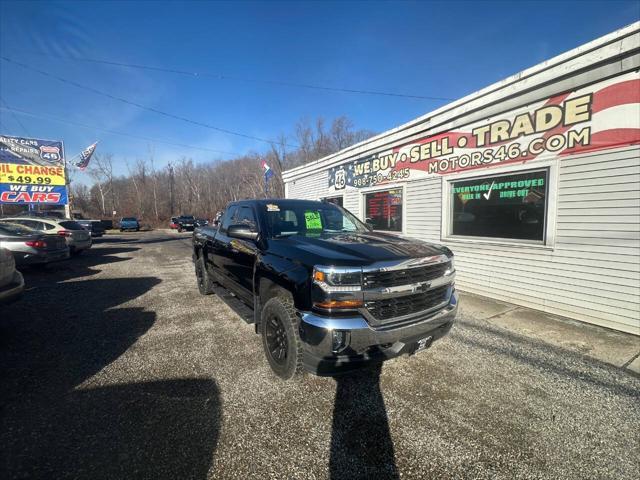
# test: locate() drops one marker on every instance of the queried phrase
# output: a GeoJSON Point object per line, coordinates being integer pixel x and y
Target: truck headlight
{"type": "Point", "coordinates": [337, 279]}
{"type": "Point", "coordinates": [452, 267]}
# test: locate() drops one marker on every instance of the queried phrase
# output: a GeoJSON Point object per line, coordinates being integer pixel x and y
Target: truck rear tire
{"type": "Point", "coordinates": [205, 283]}
{"type": "Point", "coordinates": [280, 337]}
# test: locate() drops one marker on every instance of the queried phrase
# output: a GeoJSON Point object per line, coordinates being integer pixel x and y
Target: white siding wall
{"type": "Point", "coordinates": [352, 202]}
{"type": "Point", "coordinates": [423, 209]}
{"type": "Point", "coordinates": [313, 187]}
{"type": "Point", "coordinates": [592, 273]}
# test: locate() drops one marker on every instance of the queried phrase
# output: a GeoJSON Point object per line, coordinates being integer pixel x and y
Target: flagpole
{"type": "Point", "coordinates": [67, 184]}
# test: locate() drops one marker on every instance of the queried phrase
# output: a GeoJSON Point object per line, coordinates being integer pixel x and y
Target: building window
{"type": "Point", "coordinates": [383, 209]}
{"type": "Point", "coordinates": [511, 206]}
{"type": "Point", "coordinates": [335, 200]}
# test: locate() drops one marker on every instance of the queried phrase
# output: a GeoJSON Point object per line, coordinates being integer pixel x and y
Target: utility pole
{"type": "Point", "coordinates": [170, 168]}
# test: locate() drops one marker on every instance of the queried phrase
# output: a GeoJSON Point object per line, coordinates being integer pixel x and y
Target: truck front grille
{"type": "Point", "coordinates": [394, 278]}
{"type": "Point", "coordinates": [408, 304]}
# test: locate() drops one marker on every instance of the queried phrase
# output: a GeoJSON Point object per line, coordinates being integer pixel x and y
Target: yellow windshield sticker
{"type": "Point", "coordinates": [312, 220]}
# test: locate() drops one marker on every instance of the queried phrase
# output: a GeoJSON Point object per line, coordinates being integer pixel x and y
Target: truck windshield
{"type": "Point", "coordinates": [309, 219]}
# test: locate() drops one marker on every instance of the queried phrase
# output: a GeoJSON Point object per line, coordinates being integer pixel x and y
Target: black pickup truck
{"type": "Point", "coordinates": [327, 293]}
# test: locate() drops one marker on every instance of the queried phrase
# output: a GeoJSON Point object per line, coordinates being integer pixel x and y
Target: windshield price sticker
{"type": "Point", "coordinates": [312, 220]}
{"type": "Point", "coordinates": [272, 208]}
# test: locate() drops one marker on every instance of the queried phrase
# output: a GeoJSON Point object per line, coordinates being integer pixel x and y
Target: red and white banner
{"type": "Point", "coordinates": [603, 115]}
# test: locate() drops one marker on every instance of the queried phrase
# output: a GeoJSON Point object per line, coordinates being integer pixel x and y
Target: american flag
{"type": "Point", "coordinates": [85, 156]}
{"type": "Point", "coordinates": [268, 173]}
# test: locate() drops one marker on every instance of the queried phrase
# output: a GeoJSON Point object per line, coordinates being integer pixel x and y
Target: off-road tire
{"type": "Point", "coordinates": [203, 279]}
{"type": "Point", "coordinates": [281, 309]}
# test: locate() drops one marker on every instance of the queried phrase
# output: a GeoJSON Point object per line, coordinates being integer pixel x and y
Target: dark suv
{"type": "Point", "coordinates": [186, 222]}
{"type": "Point", "coordinates": [328, 294]}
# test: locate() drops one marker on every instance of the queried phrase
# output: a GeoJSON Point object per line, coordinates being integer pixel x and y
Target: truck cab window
{"type": "Point", "coordinates": [244, 216]}
{"type": "Point", "coordinates": [227, 218]}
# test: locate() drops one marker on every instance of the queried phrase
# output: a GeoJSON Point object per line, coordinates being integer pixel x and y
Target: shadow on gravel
{"type": "Point", "coordinates": [59, 336]}
{"type": "Point", "coordinates": [76, 266]}
{"type": "Point", "coordinates": [136, 240]}
{"type": "Point", "coordinates": [361, 444]}
{"type": "Point", "coordinates": [156, 430]}
{"type": "Point", "coordinates": [536, 354]}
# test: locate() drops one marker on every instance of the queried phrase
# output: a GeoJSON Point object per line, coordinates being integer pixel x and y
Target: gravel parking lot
{"type": "Point", "coordinates": [113, 366]}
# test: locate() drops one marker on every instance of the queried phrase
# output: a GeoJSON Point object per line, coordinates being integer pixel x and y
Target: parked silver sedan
{"type": "Point", "coordinates": [11, 281]}
{"type": "Point", "coordinates": [77, 237]}
{"type": "Point", "coordinates": [30, 247]}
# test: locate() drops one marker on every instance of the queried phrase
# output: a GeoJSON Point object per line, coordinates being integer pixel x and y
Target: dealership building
{"type": "Point", "coordinates": [533, 182]}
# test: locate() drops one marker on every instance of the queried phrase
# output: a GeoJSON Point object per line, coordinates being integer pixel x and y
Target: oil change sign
{"type": "Point", "coordinates": [603, 115]}
{"type": "Point", "coordinates": [32, 171]}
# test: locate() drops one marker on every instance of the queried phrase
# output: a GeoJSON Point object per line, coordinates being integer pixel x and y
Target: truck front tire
{"type": "Point", "coordinates": [280, 338]}
{"type": "Point", "coordinates": [205, 283]}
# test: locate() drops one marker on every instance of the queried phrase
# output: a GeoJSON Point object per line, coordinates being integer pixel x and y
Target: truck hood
{"type": "Point", "coordinates": [352, 249]}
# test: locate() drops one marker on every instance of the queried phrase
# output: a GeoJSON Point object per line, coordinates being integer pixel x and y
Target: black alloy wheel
{"type": "Point", "coordinates": [277, 344]}
{"type": "Point", "coordinates": [280, 336]}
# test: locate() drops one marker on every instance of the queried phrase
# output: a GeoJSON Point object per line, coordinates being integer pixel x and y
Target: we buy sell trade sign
{"type": "Point", "coordinates": [32, 171]}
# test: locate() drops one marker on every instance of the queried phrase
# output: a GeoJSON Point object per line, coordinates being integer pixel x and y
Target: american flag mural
{"type": "Point", "coordinates": [600, 116]}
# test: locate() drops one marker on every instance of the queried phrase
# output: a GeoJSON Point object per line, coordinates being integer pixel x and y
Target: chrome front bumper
{"type": "Point", "coordinates": [336, 344]}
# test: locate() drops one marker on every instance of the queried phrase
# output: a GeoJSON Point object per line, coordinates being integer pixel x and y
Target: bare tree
{"type": "Point", "coordinates": [205, 188]}
{"type": "Point", "coordinates": [101, 172]}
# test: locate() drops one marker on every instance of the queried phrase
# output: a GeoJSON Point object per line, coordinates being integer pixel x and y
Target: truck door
{"type": "Point", "coordinates": [220, 248]}
{"type": "Point", "coordinates": [243, 251]}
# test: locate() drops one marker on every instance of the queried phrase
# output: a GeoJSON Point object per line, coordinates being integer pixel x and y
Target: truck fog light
{"type": "Point", "coordinates": [339, 340]}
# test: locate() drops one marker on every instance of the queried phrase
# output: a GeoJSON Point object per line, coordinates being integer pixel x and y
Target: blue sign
{"type": "Point", "coordinates": [32, 171]}
{"type": "Point", "coordinates": [31, 151]}
{"type": "Point", "coordinates": [11, 193]}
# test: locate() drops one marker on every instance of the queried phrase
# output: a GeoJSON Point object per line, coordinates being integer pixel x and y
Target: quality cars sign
{"type": "Point", "coordinates": [32, 171]}
{"type": "Point", "coordinates": [603, 115]}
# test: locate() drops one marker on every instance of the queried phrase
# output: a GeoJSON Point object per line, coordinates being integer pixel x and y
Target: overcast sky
{"type": "Point", "coordinates": [444, 50]}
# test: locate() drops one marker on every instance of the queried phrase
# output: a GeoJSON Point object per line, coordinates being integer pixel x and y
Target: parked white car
{"type": "Point", "coordinates": [77, 237]}
{"type": "Point", "coordinates": [11, 281]}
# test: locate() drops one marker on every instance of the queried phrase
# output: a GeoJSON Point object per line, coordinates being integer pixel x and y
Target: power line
{"type": "Point", "coordinates": [138, 105]}
{"type": "Point", "coordinates": [15, 117]}
{"type": "Point", "coordinates": [219, 76]}
{"type": "Point", "coordinates": [89, 127]}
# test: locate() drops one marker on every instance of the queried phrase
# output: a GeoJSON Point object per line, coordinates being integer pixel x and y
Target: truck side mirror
{"type": "Point", "coordinates": [369, 223]}
{"type": "Point", "coordinates": [243, 232]}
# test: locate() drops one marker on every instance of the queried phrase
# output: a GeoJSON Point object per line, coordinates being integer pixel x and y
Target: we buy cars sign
{"type": "Point", "coordinates": [600, 116]}
{"type": "Point", "coordinates": [32, 171]}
